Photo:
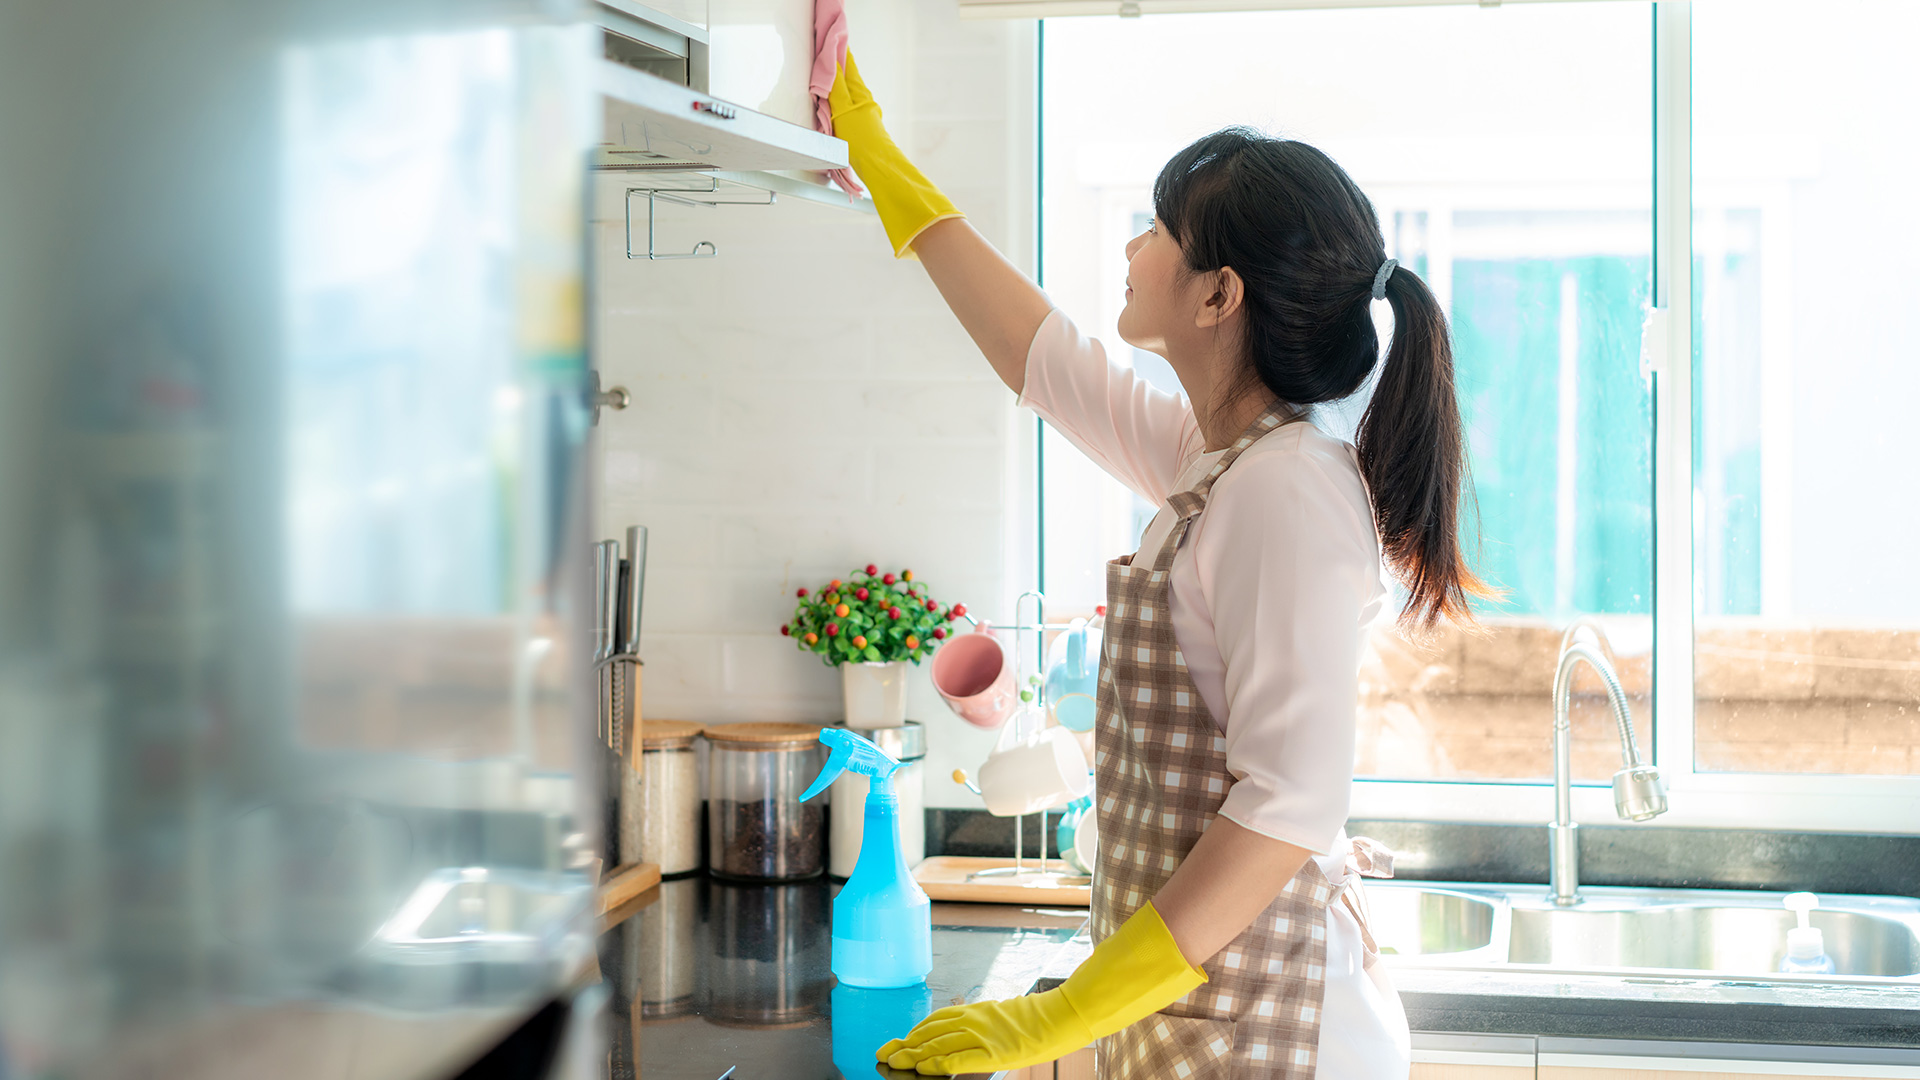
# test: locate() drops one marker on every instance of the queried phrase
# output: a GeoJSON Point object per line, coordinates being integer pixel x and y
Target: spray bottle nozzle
{"type": "Point", "coordinates": [851, 751]}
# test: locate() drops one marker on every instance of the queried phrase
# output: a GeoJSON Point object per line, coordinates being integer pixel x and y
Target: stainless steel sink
{"type": "Point", "coordinates": [1723, 939]}
{"type": "Point", "coordinates": [1430, 922]}
{"type": "Point", "coordinates": [1721, 933]}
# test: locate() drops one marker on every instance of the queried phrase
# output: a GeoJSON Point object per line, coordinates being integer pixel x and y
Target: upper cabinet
{"type": "Point", "coordinates": [727, 93]}
{"type": "Point", "coordinates": [691, 12]}
{"type": "Point", "coordinates": [761, 55]}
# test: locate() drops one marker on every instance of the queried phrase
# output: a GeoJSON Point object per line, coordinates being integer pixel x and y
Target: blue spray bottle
{"type": "Point", "coordinates": [882, 920]}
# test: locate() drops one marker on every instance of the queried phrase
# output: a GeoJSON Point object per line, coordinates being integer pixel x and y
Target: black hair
{"type": "Point", "coordinates": [1306, 245]}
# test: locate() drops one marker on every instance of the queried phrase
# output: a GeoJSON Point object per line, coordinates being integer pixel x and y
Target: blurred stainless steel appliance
{"type": "Point", "coordinates": [294, 650]}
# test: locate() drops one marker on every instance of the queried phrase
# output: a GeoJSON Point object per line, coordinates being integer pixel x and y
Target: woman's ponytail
{"type": "Point", "coordinates": [1414, 460]}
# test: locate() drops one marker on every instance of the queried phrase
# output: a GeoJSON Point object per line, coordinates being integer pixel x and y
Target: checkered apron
{"type": "Point", "coordinates": [1160, 775]}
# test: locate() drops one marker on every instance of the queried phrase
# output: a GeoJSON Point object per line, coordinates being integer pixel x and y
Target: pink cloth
{"type": "Point", "coordinates": [1272, 590]}
{"type": "Point", "coordinates": [829, 56]}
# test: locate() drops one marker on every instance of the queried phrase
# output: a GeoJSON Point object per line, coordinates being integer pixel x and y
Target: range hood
{"type": "Point", "coordinates": [653, 123]}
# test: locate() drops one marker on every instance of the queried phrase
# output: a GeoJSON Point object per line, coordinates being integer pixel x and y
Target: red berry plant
{"type": "Point", "coordinates": [870, 617]}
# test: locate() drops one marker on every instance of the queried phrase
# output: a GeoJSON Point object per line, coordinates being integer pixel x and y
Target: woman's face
{"type": "Point", "coordinates": [1169, 311]}
{"type": "Point", "coordinates": [1155, 299]}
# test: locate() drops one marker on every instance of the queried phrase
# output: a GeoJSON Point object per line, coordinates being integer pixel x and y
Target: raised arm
{"type": "Point", "coordinates": [1000, 308]}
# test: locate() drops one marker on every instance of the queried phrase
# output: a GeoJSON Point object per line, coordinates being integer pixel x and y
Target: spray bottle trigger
{"type": "Point", "coordinates": [836, 764]}
{"type": "Point", "coordinates": [851, 751]}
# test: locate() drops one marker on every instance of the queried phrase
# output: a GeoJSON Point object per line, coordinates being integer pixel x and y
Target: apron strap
{"type": "Point", "coordinates": [1366, 857]}
{"type": "Point", "coordinates": [1188, 504]}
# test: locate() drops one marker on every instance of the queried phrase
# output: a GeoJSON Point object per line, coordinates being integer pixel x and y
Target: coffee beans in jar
{"type": "Point", "coordinates": [757, 827]}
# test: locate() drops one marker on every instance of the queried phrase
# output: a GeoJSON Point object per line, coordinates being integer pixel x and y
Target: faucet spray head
{"type": "Point", "coordinates": [1639, 793]}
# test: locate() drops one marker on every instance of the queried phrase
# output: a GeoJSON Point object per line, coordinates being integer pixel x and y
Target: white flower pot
{"type": "Point", "coordinates": [875, 693]}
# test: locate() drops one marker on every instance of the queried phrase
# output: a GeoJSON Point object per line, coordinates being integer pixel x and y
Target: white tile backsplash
{"type": "Point", "coordinates": [805, 403]}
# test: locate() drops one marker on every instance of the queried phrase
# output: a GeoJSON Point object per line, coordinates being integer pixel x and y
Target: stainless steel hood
{"type": "Point", "coordinates": [653, 123]}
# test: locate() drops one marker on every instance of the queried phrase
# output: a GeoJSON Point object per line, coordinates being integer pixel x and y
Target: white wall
{"type": "Point", "coordinates": [805, 404]}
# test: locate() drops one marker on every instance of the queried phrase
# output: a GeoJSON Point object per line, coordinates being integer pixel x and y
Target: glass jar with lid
{"type": "Point", "coordinates": [757, 827]}
{"type": "Point", "coordinates": [665, 820]}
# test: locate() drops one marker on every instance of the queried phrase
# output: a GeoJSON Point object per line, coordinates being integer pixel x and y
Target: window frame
{"type": "Point", "coordinates": [1798, 802]}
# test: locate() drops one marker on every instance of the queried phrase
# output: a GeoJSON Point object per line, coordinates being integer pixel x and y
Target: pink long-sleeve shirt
{"type": "Point", "coordinates": [1272, 589]}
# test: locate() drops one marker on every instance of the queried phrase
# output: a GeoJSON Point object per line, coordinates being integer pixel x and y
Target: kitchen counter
{"type": "Point", "coordinates": [707, 976]}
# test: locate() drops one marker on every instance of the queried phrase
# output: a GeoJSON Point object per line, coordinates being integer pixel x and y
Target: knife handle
{"type": "Point", "coordinates": [628, 642]}
{"type": "Point", "coordinates": [606, 583]}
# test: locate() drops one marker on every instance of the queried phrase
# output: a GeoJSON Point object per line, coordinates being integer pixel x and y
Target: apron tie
{"type": "Point", "coordinates": [1366, 857]}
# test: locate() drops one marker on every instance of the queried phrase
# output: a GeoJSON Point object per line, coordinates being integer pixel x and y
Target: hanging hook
{"type": "Point", "coordinates": [653, 250]}
{"type": "Point", "coordinates": [705, 249]}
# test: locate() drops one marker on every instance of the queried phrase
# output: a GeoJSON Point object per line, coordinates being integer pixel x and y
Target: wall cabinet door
{"type": "Point", "coordinates": [760, 55]}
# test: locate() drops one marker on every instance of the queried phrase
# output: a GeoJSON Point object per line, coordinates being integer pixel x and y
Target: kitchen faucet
{"type": "Point", "coordinates": [1638, 793]}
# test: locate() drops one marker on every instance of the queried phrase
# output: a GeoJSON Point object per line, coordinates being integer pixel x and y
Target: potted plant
{"type": "Point", "coordinates": [870, 626]}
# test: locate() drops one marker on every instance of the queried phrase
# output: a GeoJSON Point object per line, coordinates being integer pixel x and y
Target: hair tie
{"type": "Point", "coordinates": [1380, 278]}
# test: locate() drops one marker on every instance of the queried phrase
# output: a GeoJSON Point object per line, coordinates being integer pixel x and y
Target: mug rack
{"type": "Point", "coordinates": [1033, 691]}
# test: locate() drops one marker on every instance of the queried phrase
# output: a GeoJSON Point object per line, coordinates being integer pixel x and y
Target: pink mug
{"type": "Point", "coordinates": [975, 674]}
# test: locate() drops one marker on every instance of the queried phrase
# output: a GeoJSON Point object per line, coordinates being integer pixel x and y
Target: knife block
{"type": "Point", "coordinates": [619, 732]}
{"type": "Point", "coordinates": [623, 799]}
{"type": "Point", "coordinates": [621, 586]}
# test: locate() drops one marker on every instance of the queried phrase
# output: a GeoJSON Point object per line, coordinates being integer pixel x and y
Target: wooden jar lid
{"type": "Point", "coordinates": [668, 734]}
{"type": "Point", "coordinates": [764, 736]}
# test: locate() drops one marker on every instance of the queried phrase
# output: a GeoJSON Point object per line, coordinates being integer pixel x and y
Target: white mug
{"type": "Point", "coordinates": [1043, 771]}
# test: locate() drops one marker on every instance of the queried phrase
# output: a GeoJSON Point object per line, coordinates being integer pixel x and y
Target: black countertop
{"type": "Point", "coordinates": [707, 976]}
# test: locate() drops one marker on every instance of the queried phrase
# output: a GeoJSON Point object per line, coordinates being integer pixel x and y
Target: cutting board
{"type": "Point", "coordinates": [625, 883]}
{"type": "Point", "coordinates": [949, 877]}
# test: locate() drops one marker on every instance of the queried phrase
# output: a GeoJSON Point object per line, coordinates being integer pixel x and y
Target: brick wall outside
{"type": "Point", "coordinates": [1770, 698]}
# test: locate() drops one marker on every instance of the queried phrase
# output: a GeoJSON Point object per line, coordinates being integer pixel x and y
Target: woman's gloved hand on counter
{"type": "Point", "coordinates": [1137, 971]}
{"type": "Point", "coordinates": [905, 199]}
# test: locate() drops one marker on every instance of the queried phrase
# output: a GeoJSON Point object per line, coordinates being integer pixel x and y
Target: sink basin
{"type": "Point", "coordinates": [1742, 940]}
{"type": "Point", "coordinates": [1612, 930]}
{"type": "Point", "coordinates": [1429, 922]}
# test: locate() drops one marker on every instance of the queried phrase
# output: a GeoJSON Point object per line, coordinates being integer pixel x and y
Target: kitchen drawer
{"type": "Point", "coordinates": [1602, 1059]}
{"type": "Point", "coordinates": [1472, 1057]}
{"type": "Point", "coordinates": [1425, 1070]}
{"type": "Point", "coordinates": [1567, 1067]}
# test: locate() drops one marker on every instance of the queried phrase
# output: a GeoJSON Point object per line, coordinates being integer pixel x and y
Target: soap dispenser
{"type": "Point", "coordinates": [1806, 949]}
{"type": "Point", "coordinates": [882, 919]}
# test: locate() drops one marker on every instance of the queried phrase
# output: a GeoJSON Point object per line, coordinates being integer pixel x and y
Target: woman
{"type": "Point", "coordinates": [1224, 748]}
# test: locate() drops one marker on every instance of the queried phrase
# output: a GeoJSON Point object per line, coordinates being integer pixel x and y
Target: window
{"type": "Point", "coordinates": [1806, 368]}
{"type": "Point", "coordinates": [1534, 186]}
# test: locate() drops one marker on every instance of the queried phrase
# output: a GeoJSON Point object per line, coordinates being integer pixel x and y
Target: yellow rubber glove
{"type": "Point", "coordinates": [905, 199]}
{"type": "Point", "coordinates": [1135, 972]}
